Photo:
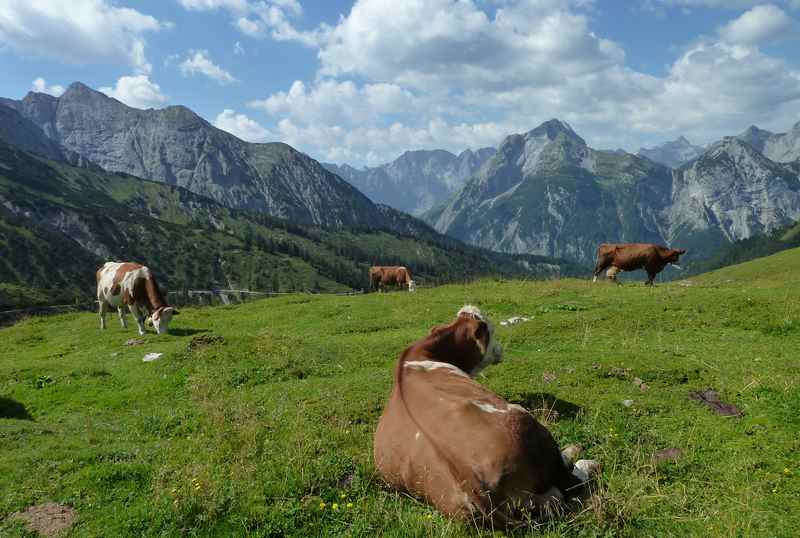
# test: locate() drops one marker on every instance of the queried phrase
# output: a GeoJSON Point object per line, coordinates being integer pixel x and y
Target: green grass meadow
{"type": "Point", "coordinates": [258, 419]}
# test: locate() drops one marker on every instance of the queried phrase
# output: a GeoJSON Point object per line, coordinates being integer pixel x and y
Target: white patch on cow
{"type": "Point", "coordinates": [416, 437]}
{"type": "Point", "coordinates": [518, 408]}
{"type": "Point", "coordinates": [412, 286]}
{"type": "Point", "coordinates": [471, 310]}
{"type": "Point", "coordinates": [594, 279]}
{"type": "Point", "coordinates": [489, 408]}
{"type": "Point", "coordinates": [434, 365]}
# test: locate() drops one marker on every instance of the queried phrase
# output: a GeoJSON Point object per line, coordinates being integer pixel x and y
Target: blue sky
{"type": "Point", "coordinates": [361, 82]}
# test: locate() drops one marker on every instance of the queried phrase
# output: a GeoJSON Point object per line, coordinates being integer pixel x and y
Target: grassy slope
{"type": "Point", "coordinates": [192, 242]}
{"type": "Point", "coordinates": [247, 436]}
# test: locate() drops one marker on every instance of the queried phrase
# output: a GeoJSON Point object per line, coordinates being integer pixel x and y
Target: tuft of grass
{"type": "Point", "coordinates": [259, 418]}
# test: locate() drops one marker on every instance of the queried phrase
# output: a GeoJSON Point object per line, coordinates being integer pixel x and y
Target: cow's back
{"type": "Point", "coordinates": [454, 440]}
{"type": "Point", "coordinates": [632, 256]}
{"type": "Point", "coordinates": [111, 278]}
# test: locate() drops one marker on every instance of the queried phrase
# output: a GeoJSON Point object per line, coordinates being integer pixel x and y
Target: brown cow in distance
{"type": "Point", "coordinates": [124, 285]}
{"type": "Point", "coordinates": [632, 256]}
{"type": "Point", "coordinates": [381, 276]}
{"type": "Point", "coordinates": [446, 439]}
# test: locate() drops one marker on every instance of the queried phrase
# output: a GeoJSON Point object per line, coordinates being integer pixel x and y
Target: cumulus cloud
{"type": "Point", "coordinates": [40, 85]}
{"type": "Point", "coordinates": [330, 101]}
{"type": "Point", "coordinates": [428, 44]}
{"type": "Point", "coordinates": [198, 63]}
{"type": "Point", "coordinates": [242, 126]}
{"type": "Point", "coordinates": [762, 24]}
{"type": "Point", "coordinates": [262, 18]}
{"type": "Point", "coordinates": [79, 31]}
{"type": "Point", "coordinates": [137, 91]}
{"type": "Point", "coordinates": [447, 74]}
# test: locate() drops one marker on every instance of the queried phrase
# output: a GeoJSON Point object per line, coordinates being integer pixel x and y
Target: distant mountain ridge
{"type": "Point", "coordinates": [546, 192]}
{"type": "Point", "coordinates": [416, 181]}
{"type": "Point", "coordinates": [673, 154]}
{"type": "Point", "coordinates": [176, 146]}
{"type": "Point", "coordinates": [779, 147]}
{"type": "Point", "coordinates": [59, 222]}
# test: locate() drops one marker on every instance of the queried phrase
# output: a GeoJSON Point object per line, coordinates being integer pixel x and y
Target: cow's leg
{"type": "Point", "coordinates": [650, 278]}
{"type": "Point", "coordinates": [121, 312]}
{"type": "Point", "coordinates": [612, 273]}
{"type": "Point", "coordinates": [600, 266]}
{"type": "Point", "coordinates": [139, 315]}
{"type": "Point", "coordinates": [102, 313]}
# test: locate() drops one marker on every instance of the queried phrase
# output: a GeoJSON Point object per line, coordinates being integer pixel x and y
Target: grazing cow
{"type": "Point", "coordinates": [132, 285]}
{"type": "Point", "coordinates": [460, 447]}
{"type": "Point", "coordinates": [381, 276]}
{"type": "Point", "coordinates": [632, 256]}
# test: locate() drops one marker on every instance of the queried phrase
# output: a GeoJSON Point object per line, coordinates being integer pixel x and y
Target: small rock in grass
{"type": "Point", "coordinates": [134, 342]}
{"type": "Point", "coordinates": [619, 373]}
{"type": "Point", "coordinates": [641, 384]}
{"type": "Point", "coordinates": [548, 377]}
{"type": "Point", "coordinates": [627, 403]}
{"type": "Point", "coordinates": [667, 454]}
{"type": "Point", "coordinates": [49, 519]}
{"type": "Point", "coordinates": [710, 398]}
{"type": "Point", "coordinates": [150, 357]}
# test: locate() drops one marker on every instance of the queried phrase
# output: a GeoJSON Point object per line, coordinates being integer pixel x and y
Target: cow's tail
{"type": "Point", "coordinates": [598, 265]}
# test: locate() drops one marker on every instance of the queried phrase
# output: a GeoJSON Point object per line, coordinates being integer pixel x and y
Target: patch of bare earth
{"type": "Point", "coordinates": [49, 519]}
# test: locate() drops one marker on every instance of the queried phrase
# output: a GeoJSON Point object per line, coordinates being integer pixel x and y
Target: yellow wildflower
{"type": "Point", "coordinates": [343, 496]}
{"type": "Point", "coordinates": [322, 506]}
{"type": "Point", "coordinates": [335, 506]}
{"type": "Point", "coordinates": [349, 505]}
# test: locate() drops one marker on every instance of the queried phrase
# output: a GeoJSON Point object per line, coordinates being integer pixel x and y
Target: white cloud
{"type": "Point", "coordinates": [262, 18]}
{"type": "Point", "coordinates": [40, 85]}
{"type": "Point", "coordinates": [208, 5]}
{"type": "Point", "coordinates": [330, 101]}
{"type": "Point", "coordinates": [242, 126]}
{"type": "Point", "coordinates": [428, 44]}
{"type": "Point", "coordinates": [78, 31]}
{"type": "Point", "coordinates": [762, 24]}
{"type": "Point", "coordinates": [137, 91]}
{"type": "Point", "coordinates": [198, 63]}
{"type": "Point", "coordinates": [444, 74]}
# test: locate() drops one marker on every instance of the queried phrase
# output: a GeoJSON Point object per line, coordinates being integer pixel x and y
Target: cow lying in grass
{"type": "Point", "coordinates": [460, 447]}
{"type": "Point", "coordinates": [132, 285]}
{"type": "Point", "coordinates": [382, 276]}
{"type": "Point", "coordinates": [632, 256]}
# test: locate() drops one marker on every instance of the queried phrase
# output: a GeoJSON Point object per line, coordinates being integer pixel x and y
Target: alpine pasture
{"type": "Point", "coordinates": [258, 419]}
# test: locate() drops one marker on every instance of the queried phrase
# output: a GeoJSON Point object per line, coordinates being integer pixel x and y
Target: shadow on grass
{"type": "Point", "coordinates": [13, 409]}
{"type": "Point", "coordinates": [543, 400]}
{"type": "Point", "coordinates": [178, 331]}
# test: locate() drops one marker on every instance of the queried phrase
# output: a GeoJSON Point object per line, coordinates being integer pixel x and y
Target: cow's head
{"type": "Point", "coordinates": [162, 317]}
{"type": "Point", "coordinates": [412, 286]}
{"type": "Point", "coordinates": [674, 256]}
{"type": "Point", "coordinates": [472, 345]}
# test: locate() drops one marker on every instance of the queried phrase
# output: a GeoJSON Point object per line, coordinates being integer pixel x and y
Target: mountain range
{"type": "Point", "coordinates": [176, 146]}
{"type": "Point", "coordinates": [546, 192]}
{"type": "Point", "coordinates": [416, 181]}
{"type": "Point", "coordinates": [672, 154]}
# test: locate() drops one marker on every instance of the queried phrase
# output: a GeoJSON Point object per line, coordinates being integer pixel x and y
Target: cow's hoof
{"type": "Point", "coordinates": [571, 453]}
{"type": "Point", "coordinates": [585, 470]}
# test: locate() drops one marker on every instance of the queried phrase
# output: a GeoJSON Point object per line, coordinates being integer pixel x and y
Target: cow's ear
{"type": "Point", "coordinates": [481, 334]}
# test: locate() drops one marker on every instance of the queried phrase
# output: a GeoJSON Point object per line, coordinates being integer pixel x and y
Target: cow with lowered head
{"type": "Point", "coordinates": [448, 440]}
{"type": "Point", "coordinates": [632, 256]}
{"type": "Point", "coordinates": [132, 285]}
{"type": "Point", "coordinates": [382, 276]}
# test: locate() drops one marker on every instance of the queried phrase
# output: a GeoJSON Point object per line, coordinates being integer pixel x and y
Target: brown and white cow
{"type": "Point", "coordinates": [132, 285]}
{"type": "Point", "coordinates": [454, 443]}
{"type": "Point", "coordinates": [381, 276]}
{"type": "Point", "coordinates": [632, 256]}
